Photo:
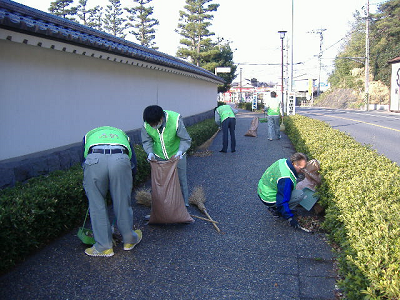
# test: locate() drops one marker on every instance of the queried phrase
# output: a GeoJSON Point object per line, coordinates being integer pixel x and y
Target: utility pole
{"type": "Point", "coordinates": [282, 36]}
{"type": "Point", "coordinates": [367, 55]}
{"type": "Point", "coordinates": [240, 96]}
{"type": "Point", "coordinates": [291, 52]}
{"type": "Point", "coordinates": [321, 38]}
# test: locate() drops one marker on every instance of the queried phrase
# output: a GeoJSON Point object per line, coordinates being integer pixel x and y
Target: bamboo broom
{"type": "Point", "coordinates": [198, 198]}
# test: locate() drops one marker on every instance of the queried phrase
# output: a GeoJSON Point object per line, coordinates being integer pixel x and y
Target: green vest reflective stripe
{"type": "Point", "coordinates": [268, 184]}
{"type": "Point", "coordinates": [225, 111]}
{"type": "Point", "coordinates": [106, 135]}
{"type": "Point", "coordinates": [166, 143]}
{"type": "Point", "coordinates": [274, 107]}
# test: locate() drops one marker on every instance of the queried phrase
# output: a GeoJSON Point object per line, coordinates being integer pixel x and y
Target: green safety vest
{"type": "Point", "coordinates": [106, 135]}
{"type": "Point", "coordinates": [225, 111]}
{"type": "Point", "coordinates": [166, 144]}
{"type": "Point", "coordinates": [268, 184]}
{"type": "Point", "coordinates": [274, 107]}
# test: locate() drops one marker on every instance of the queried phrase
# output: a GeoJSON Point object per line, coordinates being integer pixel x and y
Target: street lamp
{"type": "Point", "coordinates": [282, 36]}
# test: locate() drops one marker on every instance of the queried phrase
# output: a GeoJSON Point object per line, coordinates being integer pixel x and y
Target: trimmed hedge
{"type": "Point", "coordinates": [360, 191]}
{"type": "Point", "coordinates": [35, 212]}
{"type": "Point", "coordinates": [201, 132]}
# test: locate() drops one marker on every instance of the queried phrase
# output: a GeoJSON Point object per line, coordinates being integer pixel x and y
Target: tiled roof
{"type": "Point", "coordinates": [17, 17]}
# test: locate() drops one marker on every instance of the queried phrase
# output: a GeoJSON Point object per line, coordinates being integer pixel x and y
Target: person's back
{"type": "Point", "coordinates": [273, 107]}
{"type": "Point", "coordinates": [225, 117]}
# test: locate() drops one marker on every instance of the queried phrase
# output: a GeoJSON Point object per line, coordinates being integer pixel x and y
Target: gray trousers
{"type": "Point", "coordinates": [103, 172]}
{"type": "Point", "coordinates": [182, 166]}
{"type": "Point", "coordinates": [273, 127]}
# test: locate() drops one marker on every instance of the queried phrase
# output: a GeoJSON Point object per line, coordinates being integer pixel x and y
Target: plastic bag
{"type": "Point", "coordinates": [253, 128]}
{"type": "Point", "coordinates": [167, 204]}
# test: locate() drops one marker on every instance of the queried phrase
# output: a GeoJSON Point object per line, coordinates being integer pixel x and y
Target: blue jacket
{"type": "Point", "coordinates": [285, 188]}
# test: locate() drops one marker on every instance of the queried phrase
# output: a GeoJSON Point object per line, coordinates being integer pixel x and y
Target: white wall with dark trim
{"type": "Point", "coordinates": [51, 96]}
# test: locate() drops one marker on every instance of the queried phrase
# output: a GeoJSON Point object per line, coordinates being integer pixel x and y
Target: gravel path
{"type": "Point", "coordinates": [254, 256]}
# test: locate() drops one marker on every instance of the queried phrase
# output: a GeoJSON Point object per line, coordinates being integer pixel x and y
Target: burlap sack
{"type": "Point", "coordinates": [167, 204]}
{"type": "Point", "coordinates": [253, 128]}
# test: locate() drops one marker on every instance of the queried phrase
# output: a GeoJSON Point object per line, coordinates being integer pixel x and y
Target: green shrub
{"type": "Point", "coordinates": [45, 207]}
{"type": "Point", "coordinates": [201, 132]}
{"type": "Point", "coordinates": [143, 166]}
{"type": "Point", "coordinates": [34, 213]}
{"type": "Point", "coordinates": [360, 191]}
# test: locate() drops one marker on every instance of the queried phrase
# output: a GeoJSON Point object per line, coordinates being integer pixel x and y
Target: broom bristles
{"type": "Point", "coordinates": [143, 197]}
{"type": "Point", "coordinates": [198, 198]}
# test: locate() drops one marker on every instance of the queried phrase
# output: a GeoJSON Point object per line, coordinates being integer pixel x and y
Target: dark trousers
{"type": "Point", "coordinates": [228, 124]}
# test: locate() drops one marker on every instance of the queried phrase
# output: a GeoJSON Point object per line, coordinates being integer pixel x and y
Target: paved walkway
{"type": "Point", "coordinates": [255, 256]}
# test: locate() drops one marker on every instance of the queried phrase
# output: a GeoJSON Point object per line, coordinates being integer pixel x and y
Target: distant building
{"type": "Point", "coordinates": [395, 85]}
{"type": "Point", "coordinates": [247, 91]}
{"type": "Point", "coordinates": [60, 79]}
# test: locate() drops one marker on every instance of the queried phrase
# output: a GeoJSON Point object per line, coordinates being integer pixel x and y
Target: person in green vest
{"type": "Point", "coordinates": [109, 161]}
{"type": "Point", "coordinates": [273, 109]}
{"type": "Point", "coordinates": [277, 187]}
{"type": "Point", "coordinates": [164, 136]}
{"type": "Point", "coordinates": [225, 118]}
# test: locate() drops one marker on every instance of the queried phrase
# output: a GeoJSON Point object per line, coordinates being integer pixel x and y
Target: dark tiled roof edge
{"type": "Point", "coordinates": [24, 19]}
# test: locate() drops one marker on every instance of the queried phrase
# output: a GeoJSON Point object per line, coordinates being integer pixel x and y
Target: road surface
{"type": "Point", "coordinates": [379, 129]}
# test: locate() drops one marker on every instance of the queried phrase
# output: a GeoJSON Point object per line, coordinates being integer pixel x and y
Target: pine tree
{"type": "Point", "coordinates": [143, 24]}
{"type": "Point", "coordinates": [62, 9]}
{"type": "Point", "coordinates": [193, 27]}
{"type": "Point", "coordinates": [221, 55]}
{"type": "Point", "coordinates": [113, 21]}
{"type": "Point", "coordinates": [95, 19]}
{"type": "Point", "coordinates": [83, 12]}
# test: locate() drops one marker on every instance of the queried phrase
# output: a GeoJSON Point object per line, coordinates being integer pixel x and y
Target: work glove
{"type": "Point", "coordinates": [151, 156]}
{"type": "Point", "coordinates": [293, 222]}
{"type": "Point", "coordinates": [179, 154]}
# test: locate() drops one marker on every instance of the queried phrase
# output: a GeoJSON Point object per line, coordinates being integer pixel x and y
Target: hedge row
{"type": "Point", "coordinates": [201, 132]}
{"type": "Point", "coordinates": [360, 191]}
{"type": "Point", "coordinates": [43, 208]}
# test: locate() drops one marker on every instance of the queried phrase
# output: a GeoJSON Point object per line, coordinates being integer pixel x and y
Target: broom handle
{"type": "Point", "coordinates": [208, 216]}
{"type": "Point", "coordinates": [201, 218]}
{"type": "Point", "coordinates": [84, 222]}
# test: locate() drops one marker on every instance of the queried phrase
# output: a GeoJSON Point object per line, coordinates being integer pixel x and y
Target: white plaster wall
{"type": "Point", "coordinates": [51, 98]}
{"type": "Point", "coordinates": [394, 90]}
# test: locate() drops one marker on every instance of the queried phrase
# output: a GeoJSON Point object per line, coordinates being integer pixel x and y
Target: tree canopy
{"type": "Point", "coordinates": [198, 45]}
{"type": "Point", "coordinates": [114, 22]}
{"type": "Point", "coordinates": [63, 8]}
{"type": "Point", "coordinates": [142, 23]}
{"type": "Point", "coordinates": [193, 26]}
{"type": "Point", "coordinates": [384, 45]}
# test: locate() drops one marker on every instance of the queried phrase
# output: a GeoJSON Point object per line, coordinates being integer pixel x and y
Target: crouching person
{"type": "Point", "coordinates": [108, 165]}
{"type": "Point", "coordinates": [277, 187]}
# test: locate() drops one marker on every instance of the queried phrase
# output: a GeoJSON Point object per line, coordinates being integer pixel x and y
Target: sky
{"type": "Point", "coordinates": [252, 26]}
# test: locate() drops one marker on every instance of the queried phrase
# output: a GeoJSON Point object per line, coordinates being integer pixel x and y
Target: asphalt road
{"type": "Point", "coordinates": [379, 129]}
